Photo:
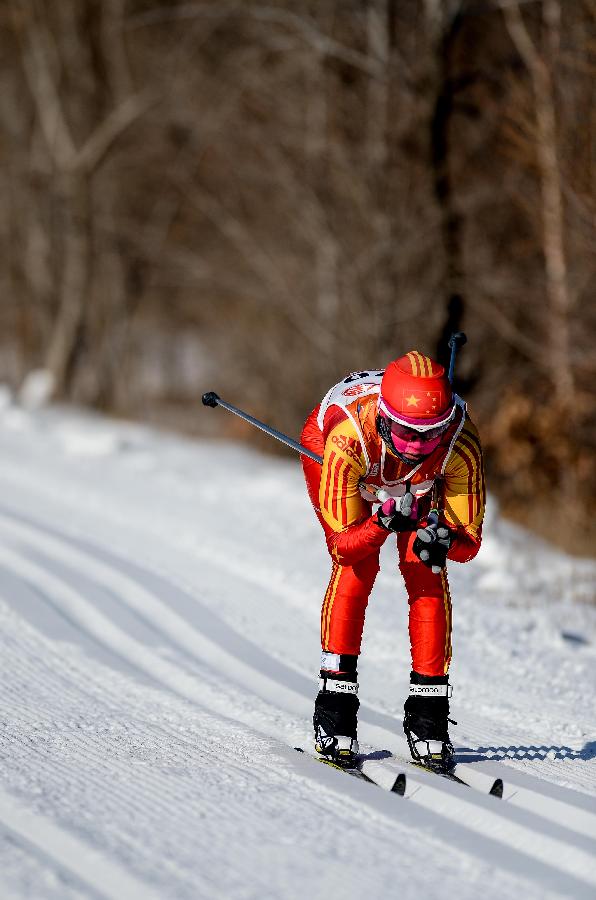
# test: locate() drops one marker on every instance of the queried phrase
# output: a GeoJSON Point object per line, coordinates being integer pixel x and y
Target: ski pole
{"type": "Point", "coordinates": [212, 399]}
{"type": "Point", "coordinates": [457, 340]}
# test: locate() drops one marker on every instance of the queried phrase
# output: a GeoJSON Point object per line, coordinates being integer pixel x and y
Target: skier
{"type": "Point", "coordinates": [402, 431]}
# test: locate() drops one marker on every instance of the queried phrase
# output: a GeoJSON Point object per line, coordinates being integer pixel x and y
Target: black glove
{"type": "Point", "coordinates": [432, 544]}
{"type": "Point", "coordinates": [398, 514]}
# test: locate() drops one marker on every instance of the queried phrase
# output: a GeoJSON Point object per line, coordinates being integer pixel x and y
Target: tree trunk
{"type": "Point", "coordinates": [557, 288]}
{"type": "Point", "coordinates": [65, 337]}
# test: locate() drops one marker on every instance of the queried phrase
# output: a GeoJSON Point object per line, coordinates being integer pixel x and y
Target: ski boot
{"type": "Point", "coordinates": [426, 722]}
{"type": "Point", "coordinates": [336, 709]}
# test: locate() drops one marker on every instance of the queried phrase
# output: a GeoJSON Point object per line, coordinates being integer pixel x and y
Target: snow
{"type": "Point", "coordinates": [5, 397]}
{"type": "Point", "coordinates": [36, 389]}
{"type": "Point", "coordinates": [159, 606]}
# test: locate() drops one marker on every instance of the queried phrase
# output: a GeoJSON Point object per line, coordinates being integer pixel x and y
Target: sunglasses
{"type": "Point", "coordinates": [410, 434]}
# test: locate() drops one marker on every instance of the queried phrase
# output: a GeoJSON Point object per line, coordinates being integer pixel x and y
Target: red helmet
{"type": "Point", "coordinates": [416, 406]}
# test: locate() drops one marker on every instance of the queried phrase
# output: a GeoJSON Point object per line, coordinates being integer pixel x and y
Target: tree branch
{"type": "Point", "coordinates": [302, 24]}
{"type": "Point", "coordinates": [101, 139]}
{"type": "Point", "coordinates": [36, 65]}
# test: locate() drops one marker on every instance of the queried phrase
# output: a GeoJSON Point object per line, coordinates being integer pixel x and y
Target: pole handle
{"type": "Point", "coordinates": [457, 340]}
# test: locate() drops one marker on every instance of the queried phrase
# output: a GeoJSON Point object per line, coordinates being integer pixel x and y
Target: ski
{"type": "Point", "coordinates": [476, 781]}
{"type": "Point", "coordinates": [398, 784]}
{"type": "Point", "coordinates": [495, 790]}
{"type": "Point", "coordinates": [451, 776]}
{"type": "Point", "coordinates": [390, 774]}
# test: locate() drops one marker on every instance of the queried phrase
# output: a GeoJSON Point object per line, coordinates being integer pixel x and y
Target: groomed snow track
{"type": "Point", "coordinates": [146, 626]}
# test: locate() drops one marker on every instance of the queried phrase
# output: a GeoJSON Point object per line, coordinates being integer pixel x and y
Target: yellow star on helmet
{"type": "Point", "coordinates": [412, 400]}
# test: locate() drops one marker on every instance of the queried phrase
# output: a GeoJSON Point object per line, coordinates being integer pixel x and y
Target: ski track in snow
{"type": "Point", "coordinates": [129, 764]}
{"type": "Point", "coordinates": [518, 834]}
{"type": "Point", "coordinates": [144, 735]}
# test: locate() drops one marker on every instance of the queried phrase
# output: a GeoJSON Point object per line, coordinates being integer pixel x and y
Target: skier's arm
{"type": "Point", "coordinates": [352, 532]}
{"type": "Point", "coordinates": [464, 494]}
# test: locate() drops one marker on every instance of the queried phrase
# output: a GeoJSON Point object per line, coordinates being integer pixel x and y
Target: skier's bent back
{"type": "Point", "coordinates": [401, 430]}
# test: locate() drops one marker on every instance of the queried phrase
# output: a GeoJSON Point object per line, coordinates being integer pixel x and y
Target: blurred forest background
{"type": "Point", "coordinates": [258, 197]}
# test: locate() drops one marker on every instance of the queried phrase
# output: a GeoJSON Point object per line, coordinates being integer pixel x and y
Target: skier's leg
{"type": "Point", "coordinates": [430, 611]}
{"type": "Point", "coordinates": [427, 707]}
{"type": "Point", "coordinates": [342, 622]}
{"type": "Point", "coordinates": [344, 605]}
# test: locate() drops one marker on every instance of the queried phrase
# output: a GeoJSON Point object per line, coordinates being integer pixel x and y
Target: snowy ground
{"type": "Point", "coordinates": [159, 605]}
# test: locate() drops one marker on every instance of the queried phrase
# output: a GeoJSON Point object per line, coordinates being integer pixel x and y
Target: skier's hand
{"type": "Point", "coordinates": [432, 544]}
{"type": "Point", "coordinates": [398, 514]}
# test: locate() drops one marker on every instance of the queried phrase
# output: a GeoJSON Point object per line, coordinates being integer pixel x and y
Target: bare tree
{"type": "Point", "coordinates": [540, 62]}
{"type": "Point", "coordinates": [303, 188]}
{"type": "Point", "coordinates": [73, 162]}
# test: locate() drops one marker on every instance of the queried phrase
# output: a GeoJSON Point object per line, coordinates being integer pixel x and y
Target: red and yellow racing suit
{"type": "Point", "coordinates": [342, 429]}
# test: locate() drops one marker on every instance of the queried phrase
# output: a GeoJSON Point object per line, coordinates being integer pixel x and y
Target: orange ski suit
{"type": "Point", "coordinates": [342, 429]}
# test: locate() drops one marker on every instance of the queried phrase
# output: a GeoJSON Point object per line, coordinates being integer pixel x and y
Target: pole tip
{"type": "Point", "coordinates": [210, 399]}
